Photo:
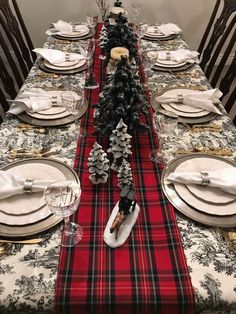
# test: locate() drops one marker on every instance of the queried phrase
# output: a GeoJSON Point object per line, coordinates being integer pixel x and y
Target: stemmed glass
{"type": "Point", "coordinates": [74, 102]}
{"type": "Point", "coordinates": [63, 199]}
{"type": "Point", "coordinates": [92, 20]}
{"type": "Point", "coordinates": [140, 31]}
{"type": "Point", "coordinates": [149, 59]}
{"type": "Point", "coordinates": [88, 54]}
{"type": "Point", "coordinates": [163, 126]}
{"type": "Point", "coordinates": [136, 7]}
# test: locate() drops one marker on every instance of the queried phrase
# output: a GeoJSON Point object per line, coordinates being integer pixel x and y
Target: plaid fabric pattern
{"type": "Point", "coordinates": [148, 274]}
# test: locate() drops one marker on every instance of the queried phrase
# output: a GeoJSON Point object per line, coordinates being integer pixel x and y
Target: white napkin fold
{"type": "Point", "coordinates": [66, 27]}
{"type": "Point", "coordinates": [11, 184]}
{"type": "Point", "coordinates": [166, 29]}
{"type": "Point", "coordinates": [33, 100]}
{"type": "Point", "coordinates": [200, 99]}
{"type": "Point", "coordinates": [56, 56]}
{"type": "Point", "coordinates": [179, 55]}
{"type": "Point", "coordinates": [223, 178]}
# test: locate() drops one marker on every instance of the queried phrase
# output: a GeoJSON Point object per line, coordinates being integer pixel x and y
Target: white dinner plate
{"type": "Point", "coordinates": [54, 112]}
{"type": "Point", "coordinates": [206, 193]}
{"type": "Point", "coordinates": [170, 63]}
{"type": "Point", "coordinates": [28, 208]}
{"type": "Point", "coordinates": [76, 34]}
{"type": "Point", "coordinates": [186, 209]}
{"type": "Point", "coordinates": [69, 65]}
{"type": "Point", "coordinates": [185, 108]}
{"type": "Point", "coordinates": [185, 114]}
{"type": "Point", "coordinates": [176, 108]}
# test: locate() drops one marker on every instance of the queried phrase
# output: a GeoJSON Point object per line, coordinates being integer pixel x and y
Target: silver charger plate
{"type": "Point", "coordinates": [172, 69]}
{"type": "Point", "coordinates": [52, 122]}
{"type": "Point", "coordinates": [44, 68]}
{"type": "Point", "coordinates": [190, 120]}
{"type": "Point", "coordinates": [161, 38]}
{"type": "Point", "coordinates": [186, 209]}
{"type": "Point", "coordinates": [45, 224]}
{"type": "Point", "coordinates": [64, 37]}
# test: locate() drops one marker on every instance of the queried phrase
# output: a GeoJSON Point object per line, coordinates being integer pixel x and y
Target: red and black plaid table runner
{"type": "Point", "coordinates": [148, 274]}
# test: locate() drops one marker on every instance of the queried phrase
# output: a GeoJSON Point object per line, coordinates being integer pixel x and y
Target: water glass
{"type": "Point", "coordinates": [163, 126]}
{"type": "Point", "coordinates": [63, 198]}
{"type": "Point", "coordinates": [74, 102]}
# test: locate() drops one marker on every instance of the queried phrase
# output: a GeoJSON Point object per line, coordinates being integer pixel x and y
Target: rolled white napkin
{"type": "Point", "coordinates": [66, 27]}
{"type": "Point", "coordinates": [200, 99]}
{"type": "Point", "coordinates": [223, 178]}
{"type": "Point", "coordinates": [57, 57]}
{"type": "Point", "coordinates": [166, 29]}
{"type": "Point", "coordinates": [11, 184]}
{"type": "Point", "coordinates": [34, 100]}
{"type": "Point", "coordinates": [179, 55]}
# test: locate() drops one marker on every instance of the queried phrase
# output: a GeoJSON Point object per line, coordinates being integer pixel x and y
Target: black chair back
{"type": "Point", "coordinates": [17, 57]}
{"type": "Point", "coordinates": [217, 47]}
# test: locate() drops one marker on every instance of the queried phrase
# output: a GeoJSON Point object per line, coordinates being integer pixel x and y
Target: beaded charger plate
{"type": "Point", "coordinates": [28, 229]}
{"type": "Point", "coordinates": [54, 121]}
{"type": "Point", "coordinates": [42, 64]}
{"type": "Point", "coordinates": [159, 38]}
{"type": "Point", "coordinates": [70, 38]}
{"type": "Point", "coordinates": [171, 111]}
{"type": "Point", "coordinates": [181, 205]}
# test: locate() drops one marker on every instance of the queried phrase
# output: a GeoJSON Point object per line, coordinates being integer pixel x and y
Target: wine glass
{"type": "Point", "coordinates": [92, 20]}
{"type": "Point", "coordinates": [88, 54]}
{"type": "Point", "coordinates": [163, 126]}
{"type": "Point", "coordinates": [149, 58]}
{"type": "Point", "coordinates": [140, 30]}
{"type": "Point", "coordinates": [74, 102]}
{"type": "Point", "coordinates": [136, 7]}
{"type": "Point", "coordinates": [63, 199]}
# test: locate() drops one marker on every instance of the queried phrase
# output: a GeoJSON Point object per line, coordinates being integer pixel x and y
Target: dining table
{"type": "Point", "coordinates": [175, 260]}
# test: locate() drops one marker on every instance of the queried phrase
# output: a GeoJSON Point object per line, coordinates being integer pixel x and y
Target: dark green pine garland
{"type": "Point", "coordinates": [123, 97]}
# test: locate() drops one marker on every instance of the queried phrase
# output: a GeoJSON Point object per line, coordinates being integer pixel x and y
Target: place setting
{"type": "Point", "coordinates": [162, 32]}
{"type": "Point", "coordinates": [203, 188]}
{"type": "Point", "coordinates": [190, 106]}
{"type": "Point", "coordinates": [39, 107]}
{"type": "Point", "coordinates": [60, 62]}
{"type": "Point", "coordinates": [23, 209]}
{"type": "Point", "coordinates": [174, 61]}
{"type": "Point", "coordinates": [70, 31]}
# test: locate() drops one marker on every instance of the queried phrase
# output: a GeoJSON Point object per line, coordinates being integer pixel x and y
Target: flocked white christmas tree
{"type": "Point", "coordinates": [98, 164]}
{"type": "Point", "coordinates": [125, 177]}
{"type": "Point", "coordinates": [103, 37]}
{"type": "Point", "coordinates": [119, 145]}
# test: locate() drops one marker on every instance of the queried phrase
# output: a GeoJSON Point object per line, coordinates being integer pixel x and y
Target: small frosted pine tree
{"type": "Point", "coordinates": [98, 164]}
{"type": "Point", "coordinates": [119, 145]}
{"type": "Point", "coordinates": [125, 177]}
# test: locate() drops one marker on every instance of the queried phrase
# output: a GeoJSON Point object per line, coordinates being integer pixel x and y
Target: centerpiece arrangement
{"type": "Point", "coordinates": [119, 113]}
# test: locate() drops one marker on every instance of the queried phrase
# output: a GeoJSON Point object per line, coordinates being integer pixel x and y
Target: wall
{"type": "Point", "coordinates": [190, 15]}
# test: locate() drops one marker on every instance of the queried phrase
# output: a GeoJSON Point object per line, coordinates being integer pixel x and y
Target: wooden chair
{"type": "Point", "coordinates": [17, 57]}
{"type": "Point", "coordinates": [216, 49]}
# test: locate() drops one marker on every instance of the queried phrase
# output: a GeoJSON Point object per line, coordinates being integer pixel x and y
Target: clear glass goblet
{"type": "Point", "coordinates": [136, 7]}
{"type": "Point", "coordinates": [63, 199]}
{"type": "Point", "coordinates": [163, 126]}
{"type": "Point", "coordinates": [74, 102]}
{"type": "Point", "coordinates": [92, 20]}
{"type": "Point", "coordinates": [88, 54]}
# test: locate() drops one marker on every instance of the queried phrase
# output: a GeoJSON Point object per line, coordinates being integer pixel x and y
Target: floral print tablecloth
{"type": "Point", "coordinates": [28, 272]}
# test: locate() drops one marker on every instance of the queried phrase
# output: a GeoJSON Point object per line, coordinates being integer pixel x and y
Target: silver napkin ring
{"type": "Point", "coordinates": [167, 55]}
{"type": "Point", "coordinates": [205, 178]}
{"type": "Point", "coordinates": [28, 184]}
{"type": "Point", "coordinates": [54, 100]}
{"type": "Point", "coordinates": [73, 28]}
{"type": "Point", "coordinates": [180, 99]}
{"type": "Point", "coordinates": [67, 57]}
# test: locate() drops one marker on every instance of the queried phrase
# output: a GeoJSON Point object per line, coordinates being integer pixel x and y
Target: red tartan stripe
{"type": "Point", "coordinates": [148, 273]}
